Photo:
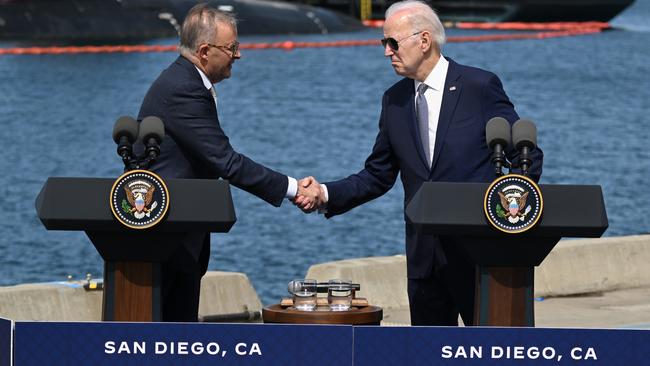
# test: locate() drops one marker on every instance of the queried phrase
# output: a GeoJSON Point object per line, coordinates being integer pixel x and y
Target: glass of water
{"type": "Point", "coordinates": [339, 295]}
{"type": "Point", "coordinates": [304, 294]}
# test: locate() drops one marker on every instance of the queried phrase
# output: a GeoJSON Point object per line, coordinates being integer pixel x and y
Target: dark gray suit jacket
{"type": "Point", "coordinates": [195, 146]}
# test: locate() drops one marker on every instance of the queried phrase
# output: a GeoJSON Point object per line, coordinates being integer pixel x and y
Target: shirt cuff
{"type": "Point", "coordinates": [323, 208]}
{"type": "Point", "coordinates": [325, 193]}
{"type": "Point", "coordinates": [292, 188]}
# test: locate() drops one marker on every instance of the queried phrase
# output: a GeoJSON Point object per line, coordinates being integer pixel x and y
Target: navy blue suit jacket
{"type": "Point", "coordinates": [471, 97]}
{"type": "Point", "coordinates": [195, 146]}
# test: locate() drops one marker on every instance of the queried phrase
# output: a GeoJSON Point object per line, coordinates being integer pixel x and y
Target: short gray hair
{"type": "Point", "coordinates": [425, 18]}
{"type": "Point", "coordinates": [200, 26]}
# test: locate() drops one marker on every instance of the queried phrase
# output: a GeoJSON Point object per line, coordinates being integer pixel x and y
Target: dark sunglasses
{"type": "Point", "coordinates": [233, 48]}
{"type": "Point", "coordinates": [393, 43]}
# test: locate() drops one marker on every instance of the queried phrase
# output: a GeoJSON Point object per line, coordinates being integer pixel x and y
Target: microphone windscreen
{"type": "Point", "coordinates": [125, 126]}
{"type": "Point", "coordinates": [152, 127]}
{"type": "Point", "coordinates": [524, 133]}
{"type": "Point", "coordinates": [497, 131]}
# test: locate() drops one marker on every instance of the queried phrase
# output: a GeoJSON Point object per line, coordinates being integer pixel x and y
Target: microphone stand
{"type": "Point", "coordinates": [499, 160]}
{"type": "Point", "coordinates": [132, 163]}
{"type": "Point", "coordinates": [151, 153]}
{"type": "Point", "coordinates": [143, 162]}
{"type": "Point", "coordinates": [524, 161]}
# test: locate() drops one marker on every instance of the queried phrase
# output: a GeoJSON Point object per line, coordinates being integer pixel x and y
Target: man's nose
{"type": "Point", "coordinates": [388, 52]}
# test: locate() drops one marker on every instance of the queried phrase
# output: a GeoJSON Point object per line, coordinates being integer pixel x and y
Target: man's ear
{"type": "Point", "coordinates": [426, 41]}
{"type": "Point", "coordinates": [202, 51]}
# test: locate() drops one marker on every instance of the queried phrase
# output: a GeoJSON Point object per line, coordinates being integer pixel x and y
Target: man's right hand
{"type": "Point", "coordinates": [310, 196]}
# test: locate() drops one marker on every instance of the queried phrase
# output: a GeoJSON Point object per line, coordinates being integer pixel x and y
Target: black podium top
{"type": "Point", "coordinates": [454, 211]}
{"type": "Point", "coordinates": [84, 204]}
{"type": "Point", "coordinates": [457, 208]}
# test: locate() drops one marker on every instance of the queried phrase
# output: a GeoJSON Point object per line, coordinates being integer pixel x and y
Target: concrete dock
{"type": "Point", "coordinates": [586, 283]}
{"type": "Point", "coordinates": [225, 296]}
{"type": "Point", "coordinates": [589, 283]}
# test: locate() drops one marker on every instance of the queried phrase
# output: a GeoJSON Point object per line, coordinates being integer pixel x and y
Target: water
{"type": "Point", "coordinates": [339, 297]}
{"type": "Point", "coordinates": [305, 301]}
{"type": "Point", "coordinates": [315, 112]}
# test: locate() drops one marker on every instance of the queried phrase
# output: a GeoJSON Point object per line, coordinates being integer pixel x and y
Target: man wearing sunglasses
{"type": "Point", "coordinates": [195, 146]}
{"type": "Point", "coordinates": [431, 128]}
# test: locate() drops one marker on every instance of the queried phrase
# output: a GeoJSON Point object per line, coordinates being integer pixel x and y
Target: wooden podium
{"type": "Point", "coordinates": [366, 315]}
{"type": "Point", "coordinates": [132, 258]}
{"type": "Point", "coordinates": [505, 262]}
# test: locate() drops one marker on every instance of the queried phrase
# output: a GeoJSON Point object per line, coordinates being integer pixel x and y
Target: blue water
{"type": "Point", "coordinates": [315, 112]}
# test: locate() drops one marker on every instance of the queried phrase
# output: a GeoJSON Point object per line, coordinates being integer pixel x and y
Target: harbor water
{"type": "Point", "coordinates": [315, 112]}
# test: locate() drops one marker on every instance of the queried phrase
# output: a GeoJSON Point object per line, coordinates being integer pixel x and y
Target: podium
{"type": "Point", "coordinates": [505, 262]}
{"type": "Point", "coordinates": [364, 315]}
{"type": "Point", "coordinates": [132, 258]}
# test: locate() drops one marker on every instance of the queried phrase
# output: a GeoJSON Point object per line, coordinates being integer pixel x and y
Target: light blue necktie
{"type": "Point", "coordinates": [214, 95]}
{"type": "Point", "coordinates": [422, 111]}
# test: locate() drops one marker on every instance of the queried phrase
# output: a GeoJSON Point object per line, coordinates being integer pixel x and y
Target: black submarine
{"type": "Point", "coordinates": [127, 20]}
{"type": "Point", "coordinates": [130, 20]}
{"type": "Point", "coordinates": [542, 11]}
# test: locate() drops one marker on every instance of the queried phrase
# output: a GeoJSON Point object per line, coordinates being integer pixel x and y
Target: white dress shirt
{"type": "Point", "coordinates": [436, 85]}
{"type": "Point", "coordinates": [433, 94]}
{"type": "Point", "coordinates": [292, 188]}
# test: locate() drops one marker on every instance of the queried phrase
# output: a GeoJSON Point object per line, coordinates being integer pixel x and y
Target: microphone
{"type": "Point", "coordinates": [125, 132]}
{"type": "Point", "coordinates": [321, 287]}
{"type": "Point", "coordinates": [497, 135]}
{"type": "Point", "coordinates": [152, 133]}
{"type": "Point", "coordinates": [524, 136]}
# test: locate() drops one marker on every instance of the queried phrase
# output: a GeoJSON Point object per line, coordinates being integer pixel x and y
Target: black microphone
{"type": "Point", "coordinates": [125, 132]}
{"type": "Point", "coordinates": [497, 135]}
{"type": "Point", "coordinates": [152, 133]}
{"type": "Point", "coordinates": [524, 136]}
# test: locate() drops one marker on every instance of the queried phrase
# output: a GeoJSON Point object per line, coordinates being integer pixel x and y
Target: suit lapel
{"type": "Point", "coordinates": [450, 96]}
{"type": "Point", "coordinates": [413, 123]}
{"type": "Point", "coordinates": [196, 77]}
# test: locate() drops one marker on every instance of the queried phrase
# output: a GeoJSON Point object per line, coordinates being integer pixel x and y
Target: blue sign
{"type": "Point", "coordinates": [5, 342]}
{"type": "Point", "coordinates": [503, 346]}
{"type": "Point", "coordinates": [44, 343]}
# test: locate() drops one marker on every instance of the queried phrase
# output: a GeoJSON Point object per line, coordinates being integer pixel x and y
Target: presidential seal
{"type": "Point", "coordinates": [139, 199]}
{"type": "Point", "coordinates": [513, 203]}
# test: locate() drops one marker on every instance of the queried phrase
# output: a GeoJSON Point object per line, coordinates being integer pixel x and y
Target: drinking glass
{"type": "Point", "coordinates": [339, 295]}
{"type": "Point", "coordinates": [304, 294]}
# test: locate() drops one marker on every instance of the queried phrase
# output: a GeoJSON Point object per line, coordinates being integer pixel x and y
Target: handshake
{"type": "Point", "coordinates": [310, 196]}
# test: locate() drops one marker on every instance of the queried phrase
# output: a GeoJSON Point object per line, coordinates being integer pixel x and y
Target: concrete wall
{"type": "Point", "coordinates": [382, 280]}
{"type": "Point", "coordinates": [573, 267]}
{"type": "Point", "coordinates": [595, 265]}
{"type": "Point", "coordinates": [221, 293]}
{"type": "Point", "coordinates": [61, 301]}
{"type": "Point", "coordinates": [227, 293]}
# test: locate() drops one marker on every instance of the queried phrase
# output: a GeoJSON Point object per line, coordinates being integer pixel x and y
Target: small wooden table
{"type": "Point", "coordinates": [367, 315]}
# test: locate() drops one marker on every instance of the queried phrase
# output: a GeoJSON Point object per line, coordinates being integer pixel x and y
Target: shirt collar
{"type": "Point", "coordinates": [437, 76]}
{"type": "Point", "coordinates": [206, 82]}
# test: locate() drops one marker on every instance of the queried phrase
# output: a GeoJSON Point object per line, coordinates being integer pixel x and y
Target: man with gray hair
{"type": "Point", "coordinates": [195, 146]}
{"type": "Point", "coordinates": [431, 128]}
